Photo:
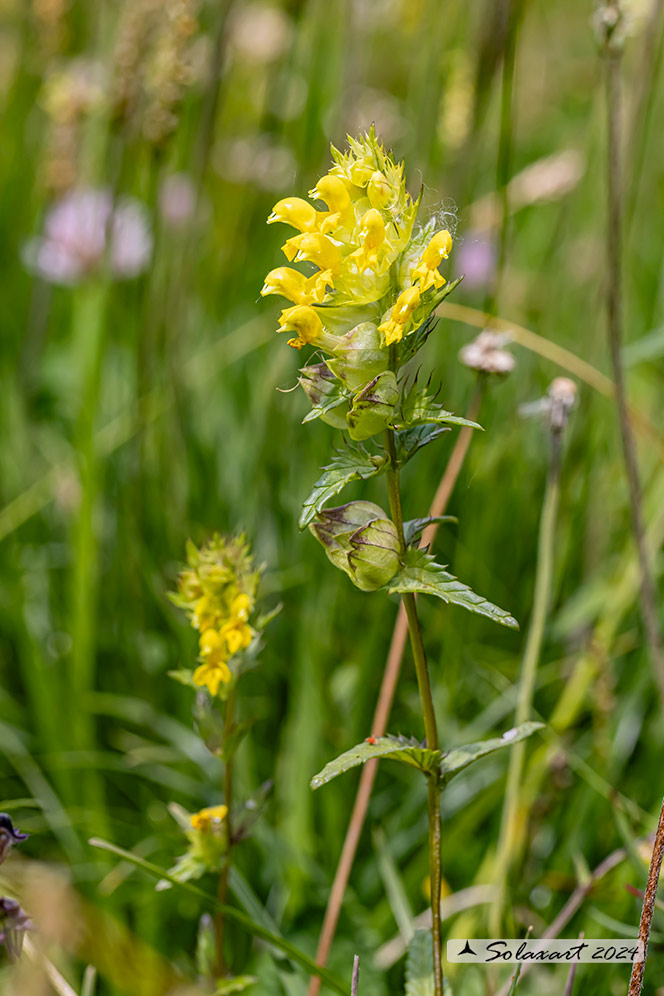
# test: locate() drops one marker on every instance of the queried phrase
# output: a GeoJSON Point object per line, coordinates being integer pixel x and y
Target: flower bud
{"type": "Point", "coordinates": [360, 540]}
{"type": "Point", "coordinates": [373, 406]}
{"type": "Point", "coordinates": [379, 191]}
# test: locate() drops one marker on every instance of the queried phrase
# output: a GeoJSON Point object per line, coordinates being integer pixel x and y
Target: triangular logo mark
{"type": "Point", "coordinates": [467, 949]}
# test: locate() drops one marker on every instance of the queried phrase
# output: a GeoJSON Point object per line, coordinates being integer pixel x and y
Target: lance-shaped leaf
{"type": "Point", "coordinates": [407, 751]}
{"type": "Point", "coordinates": [325, 393]}
{"type": "Point", "coordinates": [454, 761]}
{"type": "Point", "coordinates": [372, 408]}
{"type": "Point", "coordinates": [351, 464]}
{"type": "Point", "coordinates": [410, 441]}
{"type": "Point", "coordinates": [421, 574]}
{"type": "Point", "coordinates": [420, 408]}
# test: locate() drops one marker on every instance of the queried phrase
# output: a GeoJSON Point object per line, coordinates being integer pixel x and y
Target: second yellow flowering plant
{"type": "Point", "coordinates": [365, 299]}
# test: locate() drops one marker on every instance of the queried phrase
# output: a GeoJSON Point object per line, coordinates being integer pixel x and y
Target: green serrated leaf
{"type": "Point", "coordinates": [420, 408]}
{"type": "Point", "coordinates": [352, 464]}
{"type": "Point", "coordinates": [454, 761]}
{"type": "Point", "coordinates": [407, 751]}
{"type": "Point", "coordinates": [419, 965]}
{"type": "Point", "coordinates": [413, 528]}
{"type": "Point", "coordinates": [410, 441]}
{"type": "Point", "coordinates": [248, 924]}
{"type": "Point", "coordinates": [422, 574]}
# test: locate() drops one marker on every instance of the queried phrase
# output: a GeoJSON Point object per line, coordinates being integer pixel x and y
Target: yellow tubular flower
{"type": "Point", "coordinates": [426, 270]}
{"type": "Point", "coordinates": [405, 305]}
{"type": "Point", "coordinates": [296, 212]}
{"type": "Point", "coordinates": [295, 286]}
{"type": "Point", "coordinates": [334, 192]}
{"type": "Point", "coordinates": [302, 320]}
{"type": "Point", "coordinates": [316, 248]}
{"type": "Point", "coordinates": [372, 232]}
{"type": "Point", "coordinates": [209, 818]}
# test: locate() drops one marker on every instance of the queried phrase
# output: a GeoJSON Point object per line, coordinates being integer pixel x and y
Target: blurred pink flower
{"type": "Point", "coordinates": [177, 200]}
{"type": "Point", "coordinates": [476, 259]}
{"type": "Point", "coordinates": [81, 229]}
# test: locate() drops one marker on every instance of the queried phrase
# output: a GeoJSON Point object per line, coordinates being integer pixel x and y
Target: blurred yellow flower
{"type": "Point", "coordinates": [236, 632]}
{"type": "Point", "coordinates": [209, 818]}
{"type": "Point", "coordinates": [214, 670]}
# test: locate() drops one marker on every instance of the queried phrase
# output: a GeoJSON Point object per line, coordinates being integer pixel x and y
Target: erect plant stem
{"type": "Point", "coordinates": [384, 703]}
{"type": "Point", "coordinates": [222, 892]}
{"type": "Point", "coordinates": [429, 716]}
{"type": "Point", "coordinates": [544, 573]}
{"type": "Point", "coordinates": [648, 601]}
{"type": "Point", "coordinates": [638, 968]}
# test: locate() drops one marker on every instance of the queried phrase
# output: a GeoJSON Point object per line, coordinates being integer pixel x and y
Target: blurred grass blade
{"type": "Point", "coordinates": [257, 929]}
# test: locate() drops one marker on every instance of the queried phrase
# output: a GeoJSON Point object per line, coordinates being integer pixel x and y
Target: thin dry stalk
{"type": "Point", "coordinates": [356, 976]}
{"type": "Point", "coordinates": [384, 706]}
{"type": "Point", "coordinates": [648, 602]}
{"type": "Point", "coordinates": [636, 981]}
{"type": "Point", "coordinates": [572, 973]}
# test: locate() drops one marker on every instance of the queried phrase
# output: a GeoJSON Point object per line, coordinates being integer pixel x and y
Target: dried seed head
{"type": "Point", "coordinates": [562, 395]}
{"type": "Point", "coordinates": [487, 355]}
{"type": "Point", "coordinates": [556, 406]}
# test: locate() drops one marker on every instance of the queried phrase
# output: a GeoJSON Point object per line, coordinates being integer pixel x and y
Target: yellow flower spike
{"type": "Point", "coordinates": [315, 248]}
{"type": "Point", "coordinates": [426, 270]}
{"type": "Point", "coordinates": [209, 818]}
{"type": "Point", "coordinates": [405, 305]}
{"type": "Point", "coordinates": [379, 191]}
{"type": "Point", "coordinates": [296, 212]}
{"type": "Point", "coordinates": [372, 231]}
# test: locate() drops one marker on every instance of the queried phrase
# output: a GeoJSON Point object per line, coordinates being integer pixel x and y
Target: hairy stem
{"type": "Point", "coordinates": [505, 855]}
{"type": "Point", "coordinates": [648, 602]}
{"type": "Point", "coordinates": [429, 716]}
{"type": "Point", "coordinates": [384, 703]}
{"type": "Point", "coordinates": [222, 892]}
{"type": "Point", "coordinates": [636, 981]}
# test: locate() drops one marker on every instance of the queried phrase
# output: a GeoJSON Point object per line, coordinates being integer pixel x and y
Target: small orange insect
{"type": "Point", "coordinates": [370, 740]}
